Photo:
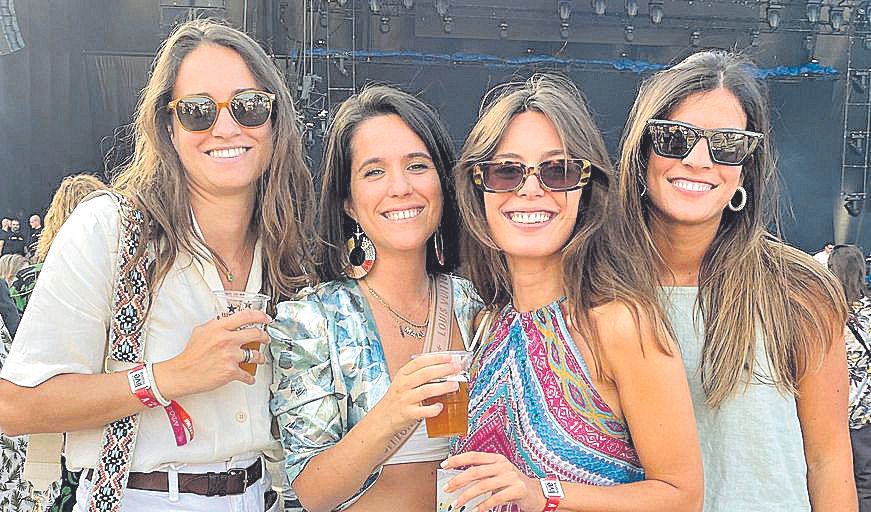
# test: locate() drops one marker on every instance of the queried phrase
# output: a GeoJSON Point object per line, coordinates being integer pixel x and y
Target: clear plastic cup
{"type": "Point", "coordinates": [454, 418]}
{"type": "Point", "coordinates": [229, 302]}
{"type": "Point", "coordinates": [445, 500]}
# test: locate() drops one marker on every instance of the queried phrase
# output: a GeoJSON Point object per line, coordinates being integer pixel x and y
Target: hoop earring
{"type": "Point", "coordinates": [643, 190]}
{"type": "Point", "coordinates": [439, 245]}
{"type": "Point", "coordinates": [743, 200]}
{"type": "Point", "coordinates": [361, 255]}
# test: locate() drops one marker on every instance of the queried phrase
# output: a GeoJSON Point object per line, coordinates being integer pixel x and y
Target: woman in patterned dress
{"type": "Point", "coordinates": [15, 492]}
{"type": "Point", "coordinates": [569, 384]}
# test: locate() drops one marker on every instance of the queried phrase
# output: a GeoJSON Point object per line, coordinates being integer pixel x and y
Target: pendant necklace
{"type": "Point", "coordinates": [407, 328]}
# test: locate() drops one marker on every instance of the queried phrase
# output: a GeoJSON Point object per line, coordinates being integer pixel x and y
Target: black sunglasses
{"type": "Point", "coordinates": [726, 146]}
{"type": "Point", "coordinates": [199, 113]}
{"type": "Point", "coordinates": [558, 175]}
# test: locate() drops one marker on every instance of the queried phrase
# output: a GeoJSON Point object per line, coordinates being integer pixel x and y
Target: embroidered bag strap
{"type": "Point", "coordinates": [130, 302]}
{"type": "Point", "coordinates": [438, 335]}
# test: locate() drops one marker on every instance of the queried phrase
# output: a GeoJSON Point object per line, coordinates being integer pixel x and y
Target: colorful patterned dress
{"type": "Point", "coordinates": [532, 400]}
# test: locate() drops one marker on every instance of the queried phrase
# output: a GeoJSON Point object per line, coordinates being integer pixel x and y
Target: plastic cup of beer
{"type": "Point", "coordinates": [454, 418]}
{"type": "Point", "coordinates": [232, 302]}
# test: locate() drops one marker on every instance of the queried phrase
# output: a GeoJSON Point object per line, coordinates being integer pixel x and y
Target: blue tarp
{"type": "Point", "coordinates": [811, 69]}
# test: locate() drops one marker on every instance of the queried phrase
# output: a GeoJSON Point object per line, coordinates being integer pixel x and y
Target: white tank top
{"type": "Point", "coordinates": [420, 448]}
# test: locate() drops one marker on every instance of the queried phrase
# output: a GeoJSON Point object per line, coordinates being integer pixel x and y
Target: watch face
{"type": "Point", "coordinates": [551, 488]}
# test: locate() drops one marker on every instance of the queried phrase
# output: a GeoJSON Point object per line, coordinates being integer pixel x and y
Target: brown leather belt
{"type": "Point", "coordinates": [231, 482]}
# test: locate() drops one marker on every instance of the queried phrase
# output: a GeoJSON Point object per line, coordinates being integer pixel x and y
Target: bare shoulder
{"type": "Point", "coordinates": [627, 330]}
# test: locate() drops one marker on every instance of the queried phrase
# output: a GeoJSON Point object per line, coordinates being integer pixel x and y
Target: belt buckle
{"type": "Point", "coordinates": [244, 473]}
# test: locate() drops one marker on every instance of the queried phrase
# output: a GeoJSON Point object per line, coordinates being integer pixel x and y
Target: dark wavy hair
{"type": "Point", "coordinates": [335, 225]}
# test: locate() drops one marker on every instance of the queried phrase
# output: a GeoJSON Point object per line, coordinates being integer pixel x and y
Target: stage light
{"type": "Point", "coordinates": [754, 37]}
{"type": "Point", "coordinates": [442, 6]}
{"type": "Point", "coordinates": [773, 15]}
{"type": "Point", "coordinates": [695, 37]}
{"type": "Point", "coordinates": [384, 27]}
{"type": "Point", "coordinates": [375, 6]}
{"type": "Point", "coordinates": [564, 30]}
{"type": "Point", "coordinates": [631, 8]}
{"type": "Point", "coordinates": [449, 24]}
{"type": "Point", "coordinates": [854, 203]}
{"type": "Point", "coordinates": [598, 7]}
{"type": "Point", "coordinates": [856, 142]}
{"type": "Point", "coordinates": [343, 3]}
{"type": "Point", "coordinates": [836, 18]}
{"type": "Point", "coordinates": [408, 4]}
{"type": "Point", "coordinates": [812, 10]}
{"type": "Point", "coordinates": [629, 33]}
{"type": "Point", "coordinates": [654, 8]}
{"type": "Point", "coordinates": [503, 30]}
{"type": "Point", "coordinates": [564, 9]}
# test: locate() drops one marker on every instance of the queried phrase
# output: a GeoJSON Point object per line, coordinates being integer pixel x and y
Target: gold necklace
{"type": "Point", "coordinates": [407, 328]}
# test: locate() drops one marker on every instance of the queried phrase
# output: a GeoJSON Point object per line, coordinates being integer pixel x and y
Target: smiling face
{"type": "Point", "coordinates": [396, 196]}
{"type": "Point", "coordinates": [228, 158]}
{"type": "Point", "coordinates": [695, 190]}
{"type": "Point", "coordinates": [531, 223]}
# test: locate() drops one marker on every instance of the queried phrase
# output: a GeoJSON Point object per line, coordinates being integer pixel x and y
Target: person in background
{"type": "Point", "coordinates": [759, 324]}
{"type": "Point", "coordinates": [9, 265]}
{"type": "Point", "coordinates": [35, 232]}
{"type": "Point", "coordinates": [823, 256]}
{"type": "Point", "coordinates": [71, 191]}
{"type": "Point", "coordinates": [4, 232]}
{"type": "Point", "coordinates": [848, 265]}
{"type": "Point", "coordinates": [15, 242]}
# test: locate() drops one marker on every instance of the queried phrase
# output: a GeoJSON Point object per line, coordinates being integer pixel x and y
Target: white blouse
{"type": "Point", "coordinates": [64, 330]}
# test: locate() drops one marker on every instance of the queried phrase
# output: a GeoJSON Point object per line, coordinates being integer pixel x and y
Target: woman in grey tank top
{"type": "Point", "coordinates": [759, 323]}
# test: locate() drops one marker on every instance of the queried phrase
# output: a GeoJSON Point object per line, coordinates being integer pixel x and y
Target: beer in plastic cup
{"type": "Point", "coordinates": [454, 418]}
{"type": "Point", "coordinates": [231, 302]}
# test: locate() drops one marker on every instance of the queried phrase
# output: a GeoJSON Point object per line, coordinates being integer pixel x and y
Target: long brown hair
{"type": "Point", "coordinates": [156, 180]}
{"type": "Point", "coordinates": [71, 191]}
{"type": "Point", "coordinates": [748, 277]}
{"type": "Point", "coordinates": [335, 226]}
{"type": "Point", "coordinates": [589, 259]}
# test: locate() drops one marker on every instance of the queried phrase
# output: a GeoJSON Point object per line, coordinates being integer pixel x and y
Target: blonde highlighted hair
{"type": "Point", "coordinates": [156, 180]}
{"type": "Point", "coordinates": [71, 191]}
{"type": "Point", "coordinates": [750, 283]}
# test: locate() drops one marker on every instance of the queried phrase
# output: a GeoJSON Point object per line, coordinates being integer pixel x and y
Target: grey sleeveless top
{"type": "Point", "coordinates": [752, 444]}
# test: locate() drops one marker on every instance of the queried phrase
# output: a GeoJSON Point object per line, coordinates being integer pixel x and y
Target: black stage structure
{"type": "Point", "coordinates": [71, 70]}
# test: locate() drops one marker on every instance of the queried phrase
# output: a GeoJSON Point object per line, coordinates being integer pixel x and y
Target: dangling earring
{"type": "Point", "coordinates": [439, 244]}
{"type": "Point", "coordinates": [743, 200]}
{"type": "Point", "coordinates": [643, 188]}
{"type": "Point", "coordinates": [361, 255]}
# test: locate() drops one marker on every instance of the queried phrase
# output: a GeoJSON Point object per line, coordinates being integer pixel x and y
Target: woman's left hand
{"type": "Point", "coordinates": [490, 472]}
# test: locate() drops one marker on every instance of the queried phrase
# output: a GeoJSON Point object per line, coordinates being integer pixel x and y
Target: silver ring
{"type": "Point", "coordinates": [248, 354]}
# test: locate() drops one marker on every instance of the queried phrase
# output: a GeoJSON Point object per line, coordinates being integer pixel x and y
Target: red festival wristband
{"type": "Point", "coordinates": [142, 385]}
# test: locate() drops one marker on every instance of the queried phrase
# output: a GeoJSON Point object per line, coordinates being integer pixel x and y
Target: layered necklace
{"type": "Point", "coordinates": [407, 328]}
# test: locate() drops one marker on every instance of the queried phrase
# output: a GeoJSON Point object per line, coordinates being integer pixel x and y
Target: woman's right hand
{"type": "Point", "coordinates": [402, 404]}
{"type": "Point", "coordinates": [212, 355]}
